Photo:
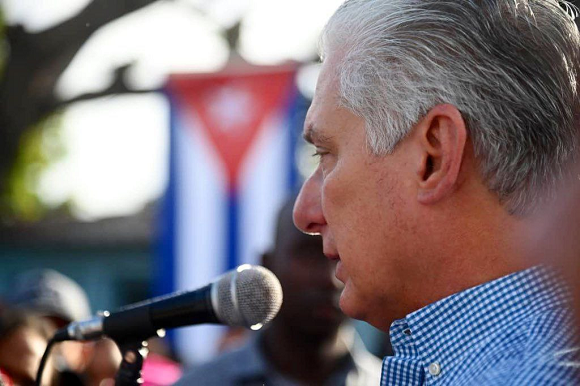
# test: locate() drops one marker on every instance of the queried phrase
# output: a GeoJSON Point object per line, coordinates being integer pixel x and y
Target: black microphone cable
{"type": "Point", "coordinates": [51, 342]}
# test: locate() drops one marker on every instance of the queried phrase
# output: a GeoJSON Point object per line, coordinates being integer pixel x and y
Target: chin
{"type": "Point", "coordinates": [356, 308]}
{"type": "Point", "coordinates": [351, 306]}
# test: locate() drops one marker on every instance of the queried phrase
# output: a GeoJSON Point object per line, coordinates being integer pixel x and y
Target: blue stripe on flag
{"type": "Point", "coordinates": [232, 230]}
{"type": "Point", "coordinates": [164, 265]}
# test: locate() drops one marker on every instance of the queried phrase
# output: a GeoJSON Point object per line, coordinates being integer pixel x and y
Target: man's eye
{"type": "Point", "coordinates": [319, 153]}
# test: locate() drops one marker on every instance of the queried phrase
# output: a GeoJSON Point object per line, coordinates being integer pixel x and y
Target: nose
{"type": "Point", "coordinates": [308, 215]}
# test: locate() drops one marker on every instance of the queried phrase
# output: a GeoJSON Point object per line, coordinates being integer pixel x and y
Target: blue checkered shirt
{"type": "Point", "coordinates": [511, 331]}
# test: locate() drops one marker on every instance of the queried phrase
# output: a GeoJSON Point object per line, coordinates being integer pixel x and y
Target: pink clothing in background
{"type": "Point", "coordinates": [160, 371]}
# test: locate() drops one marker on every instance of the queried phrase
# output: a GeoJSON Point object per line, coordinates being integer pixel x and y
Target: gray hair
{"type": "Point", "coordinates": [510, 67]}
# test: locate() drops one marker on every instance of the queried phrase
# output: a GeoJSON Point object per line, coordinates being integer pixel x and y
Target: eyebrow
{"type": "Point", "coordinates": [312, 135]}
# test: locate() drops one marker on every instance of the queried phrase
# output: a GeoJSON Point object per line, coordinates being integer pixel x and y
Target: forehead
{"type": "Point", "coordinates": [329, 123]}
{"type": "Point", "coordinates": [326, 99]}
{"type": "Point", "coordinates": [327, 86]}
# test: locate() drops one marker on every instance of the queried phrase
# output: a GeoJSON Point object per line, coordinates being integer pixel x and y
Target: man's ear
{"type": "Point", "coordinates": [442, 137]}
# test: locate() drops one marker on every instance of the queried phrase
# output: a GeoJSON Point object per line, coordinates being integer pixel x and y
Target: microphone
{"type": "Point", "coordinates": [249, 296]}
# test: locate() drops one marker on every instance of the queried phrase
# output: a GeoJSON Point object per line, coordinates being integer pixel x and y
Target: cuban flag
{"type": "Point", "coordinates": [233, 140]}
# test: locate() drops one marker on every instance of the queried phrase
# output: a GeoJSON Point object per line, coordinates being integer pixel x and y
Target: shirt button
{"type": "Point", "coordinates": [407, 332]}
{"type": "Point", "coordinates": [434, 368]}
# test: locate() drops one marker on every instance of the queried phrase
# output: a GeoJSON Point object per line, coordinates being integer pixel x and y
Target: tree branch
{"type": "Point", "coordinates": [118, 86]}
{"type": "Point", "coordinates": [36, 62]}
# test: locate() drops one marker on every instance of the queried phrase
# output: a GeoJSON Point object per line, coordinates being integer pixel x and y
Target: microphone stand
{"type": "Point", "coordinates": [134, 353]}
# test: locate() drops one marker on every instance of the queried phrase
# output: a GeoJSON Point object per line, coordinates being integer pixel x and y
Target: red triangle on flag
{"type": "Point", "coordinates": [232, 109]}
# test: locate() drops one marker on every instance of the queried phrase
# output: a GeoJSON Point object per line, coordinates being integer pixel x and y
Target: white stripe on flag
{"type": "Point", "coordinates": [200, 247]}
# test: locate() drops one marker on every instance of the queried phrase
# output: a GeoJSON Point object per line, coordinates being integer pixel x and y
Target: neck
{"type": "Point", "coordinates": [479, 245]}
{"type": "Point", "coordinates": [309, 358]}
{"type": "Point", "coordinates": [465, 245]}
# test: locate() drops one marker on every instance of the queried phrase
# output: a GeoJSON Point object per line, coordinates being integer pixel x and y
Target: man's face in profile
{"type": "Point", "coordinates": [359, 203]}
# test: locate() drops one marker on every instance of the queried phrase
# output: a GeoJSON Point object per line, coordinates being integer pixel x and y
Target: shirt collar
{"type": "Point", "coordinates": [475, 317]}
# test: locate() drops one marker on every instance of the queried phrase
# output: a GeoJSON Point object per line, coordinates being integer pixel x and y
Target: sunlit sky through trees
{"type": "Point", "coordinates": [116, 158]}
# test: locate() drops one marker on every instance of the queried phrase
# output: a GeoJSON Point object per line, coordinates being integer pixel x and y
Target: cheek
{"type": "Point", "coordinates": [353, 209]}
{"type": "Point", "coordinates": [365, 209]}
{"type": "Point", "coordinates": [355, 198]}
{"type": "Point", "coordinates": [342, 188]}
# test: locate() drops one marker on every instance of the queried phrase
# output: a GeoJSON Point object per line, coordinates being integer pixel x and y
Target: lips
{"type": "Point", "coordinates": [338, 272]}
{"type": "Point", "coordinates": [334, 258]}
{"type": "Point", "coordinates": [331, 254]}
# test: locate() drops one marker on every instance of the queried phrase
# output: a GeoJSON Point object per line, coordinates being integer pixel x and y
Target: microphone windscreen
{"type": "Point", "coordinates": [249, 296]}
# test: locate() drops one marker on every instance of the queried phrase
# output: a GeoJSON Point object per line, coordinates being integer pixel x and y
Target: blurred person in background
{"type": "Point", "coordinates": [23, 339]}
{"type": "Point", "coordinates": [103, 364]}
{"type": "Point", "coordinates": [442, 128]}
{"type": "Point", "coordinates": [309, 341]}
{"type": "Point", "coordinates": [51, 294]}
{"type": "Point", "coordinates": [61, 300]}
